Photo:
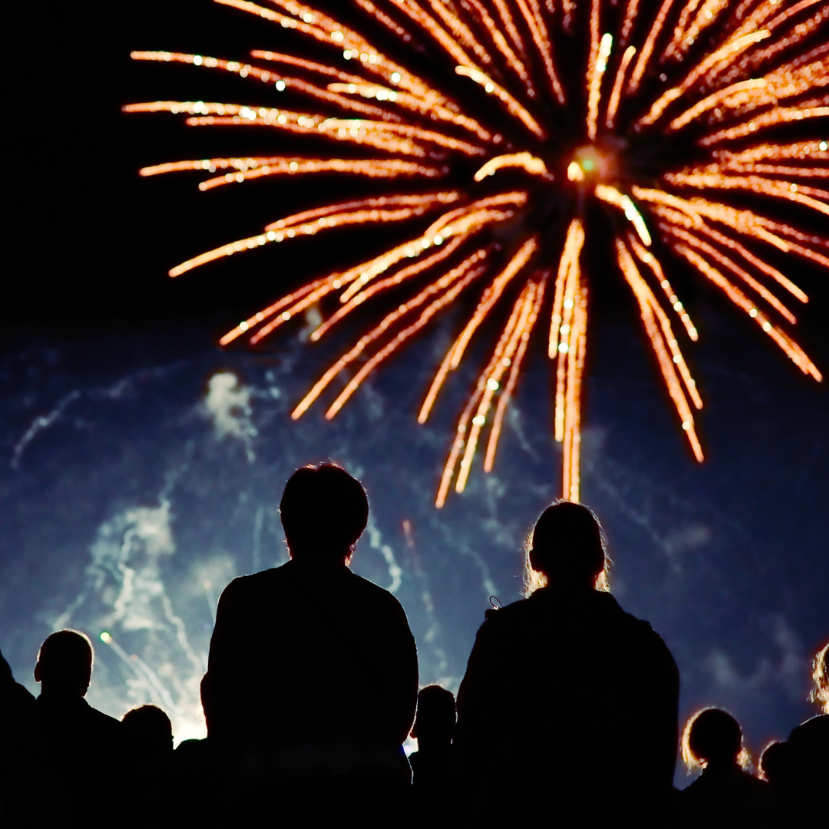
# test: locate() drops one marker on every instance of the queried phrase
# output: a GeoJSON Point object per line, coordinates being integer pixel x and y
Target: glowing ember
{"type": "Point", "coordinates": [668, 123]}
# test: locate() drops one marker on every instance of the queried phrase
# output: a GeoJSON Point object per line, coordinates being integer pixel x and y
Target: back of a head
{"type": "Point", "coordinates": [148, 730]}
{"type": "Point", "coordinates": [568, 547]}
{"type": "Point", "coordinates": [712, 737]}
{"type": "Point", "coordinates": [64, 663]}
{"type": "Point", "coordinates": [435, 718]}
{"type": "Point", "coordinates": [773, 762]}
{"type": "Point", "coordinates": [324, 511]}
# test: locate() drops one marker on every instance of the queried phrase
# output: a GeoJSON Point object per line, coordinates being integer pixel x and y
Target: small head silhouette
{"type": "Point", "coordinates": [567, 548]}
{"type": "Point", "coordinates": [148, 730]}
{"type": "Point", "coordinates": [712, 738]}
{"type": "Point", "coordinates": [820, 675]}
{"type": "Point", "coordinates": [773, 762]}
{"type": "Point", "coordinates": [434, 724]}
{"type": "Point", "coordinates": [64, 663]}
{"type": "Point", "coordinates": [324, 511]}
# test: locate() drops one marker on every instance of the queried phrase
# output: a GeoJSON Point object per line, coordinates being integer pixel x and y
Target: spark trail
{"type": "Point", "coordinates": [695, 131]}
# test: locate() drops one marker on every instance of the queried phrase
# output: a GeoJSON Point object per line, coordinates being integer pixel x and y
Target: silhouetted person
{"type": "Point", "coordinates": [808, 752]}
{"type": "Point", "coordinates": [72, 740]}
{"type": "Point", "coordinates": [724, 795]}
{"type": "Point", "coordinates": [311, 667]}
{"type": "Point", "coordinates": [148, 759]}
{"type": "Point", "coordinates": [17, 708]}
{"type": "Point", "coordinates": [433, 764]}
{"type": "Point", "coordinates": [148, 732]}
{"type": "Point", "coordinates": [17, 714]}
{"type": "Point", "coordinates": [569, 704]}
{"type": "Point", "coordinates": [774, 765]}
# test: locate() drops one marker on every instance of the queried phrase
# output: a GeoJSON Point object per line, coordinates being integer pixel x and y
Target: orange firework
{"type": "Point", "coordinates": [692, 125]}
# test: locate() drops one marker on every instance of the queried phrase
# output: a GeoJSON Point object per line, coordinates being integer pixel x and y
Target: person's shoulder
{"type": "Point", "coordinates": [371, 592]}
{"type": "Point", "coordinates": [102, 723]}
{"type": "Point", "coordinates": [503, 620]}
{"type": "Point", "coordinates": [243, 586]}
{"type": "Point", "coordinates": [816, 728]}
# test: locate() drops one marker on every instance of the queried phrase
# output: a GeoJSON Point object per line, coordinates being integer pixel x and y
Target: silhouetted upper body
{"type": "Point", "coordinates": [433, 764]}
{"type": "Point", "coordinates": [17, 715]}
{"type": "Point", "coordinates": [310, 654]}
{"type": "Point", "coordinates": [808, 768]}
{"type": "Point", "coordinates": [724, 794]}
{"type": "Point", "coordinates": [71, 740]}
{"type": "Point", "coordinates": [728, 796]}
{"type": "Point", "coordinates": [305, 654]}
{"type": "Point", "coordinates": [69, 729]}
{"type": "Point", "coordinates": [565, 694]}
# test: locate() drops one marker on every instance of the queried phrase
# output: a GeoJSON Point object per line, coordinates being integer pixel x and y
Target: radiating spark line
{"type": "Point", "coordinates": [535, 22]}
{"type": "Point", "coordinates": [706, 121]}
{"type": "Point", "coordinates": [720, 57]}
{"type": "Point", "coordinates": [401, 337]}
{"type": "Point", "coordinates": [391, 281]}
{"type": "Point", "coordinates": [245, 70]}
{"type": "Point", "coordinates": [509, 24]}
{"type": "Point", "coordinates": [524, 160]}
{"type": "Point", "coordinates": [453, 356]}
{"type": "Point", "coordinates": [437, 287]}
{"type": "Point", "coordinates": [755, 184]}
{"type": "Point", "coordinates": [660, 335]}
{"type": "Point", "coordinates": [703, 247]}
{"type": "Point", "coordinates": [712, 100]}
{"type": "Point", "coordinates": [514, 365]}
{"type": "Point", "coordinates": [647, 48]}
{"type": "Point", "coordinates": [792, 351]}
{"type": "Point", "coordinates": [631, 11]}
{"type": "Point", "coordinates": [612, 196]}
{"type": "Point", "coordinates": [491, 377]}
{"type": "Point", "coordinates": [616, 94]}
{"type": "Point", "coordinates": [501, 44]}
{"type": "Point", "coordinates": [595, 83]}
{"type": "Point", "coordinates": [512, 105]}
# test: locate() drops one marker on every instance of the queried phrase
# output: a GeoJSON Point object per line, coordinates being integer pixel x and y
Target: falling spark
{"type": "Point", "coordinates": [689, 128]}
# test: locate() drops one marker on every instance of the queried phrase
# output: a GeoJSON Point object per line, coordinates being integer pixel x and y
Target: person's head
{"type": "Point", "coordinates": [434, 723]}
{"type": "Point", "coordinates": [567, 549]}
{"type": "Point", "coordinates": [324, 511]}
{"type": "Point", "coordinates": [712, 737]}
{"type": "Point", "coordinates": [148, 730]}
{"type": "Point", "coordinates": [820, 675]}
{"type": "Point", "coordinates": [64, 663]}
{"type": "Point", "coordinates": [773, 764]}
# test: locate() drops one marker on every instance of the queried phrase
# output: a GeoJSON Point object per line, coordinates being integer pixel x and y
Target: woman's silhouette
{"type": "Point", "coordinates": [565, 693]}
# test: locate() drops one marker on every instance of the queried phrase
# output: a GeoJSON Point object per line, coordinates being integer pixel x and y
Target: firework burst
{"type": "Point", "coordinates": [689, 125]}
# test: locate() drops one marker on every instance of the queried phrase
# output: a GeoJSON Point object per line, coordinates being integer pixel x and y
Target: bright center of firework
{"type": "Point", "coordinates": [589, 164]}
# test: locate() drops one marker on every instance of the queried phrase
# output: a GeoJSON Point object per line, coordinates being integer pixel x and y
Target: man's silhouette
{"type": "Point", "coordinates": [309, 663]}
{"type": "Point", "coordinates": [569, 704]}
{"type": "Point", "coordinates": [69, 726]}
{"type": "Point", "coordinates": [71, 740]}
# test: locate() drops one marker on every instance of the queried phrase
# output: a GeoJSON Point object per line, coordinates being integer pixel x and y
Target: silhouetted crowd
{"type": "Point", "coordinates": [566, 716]}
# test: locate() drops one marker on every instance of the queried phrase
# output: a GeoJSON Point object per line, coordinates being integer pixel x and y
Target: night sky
{"type": "Point", "coordinates": [728, 559]}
